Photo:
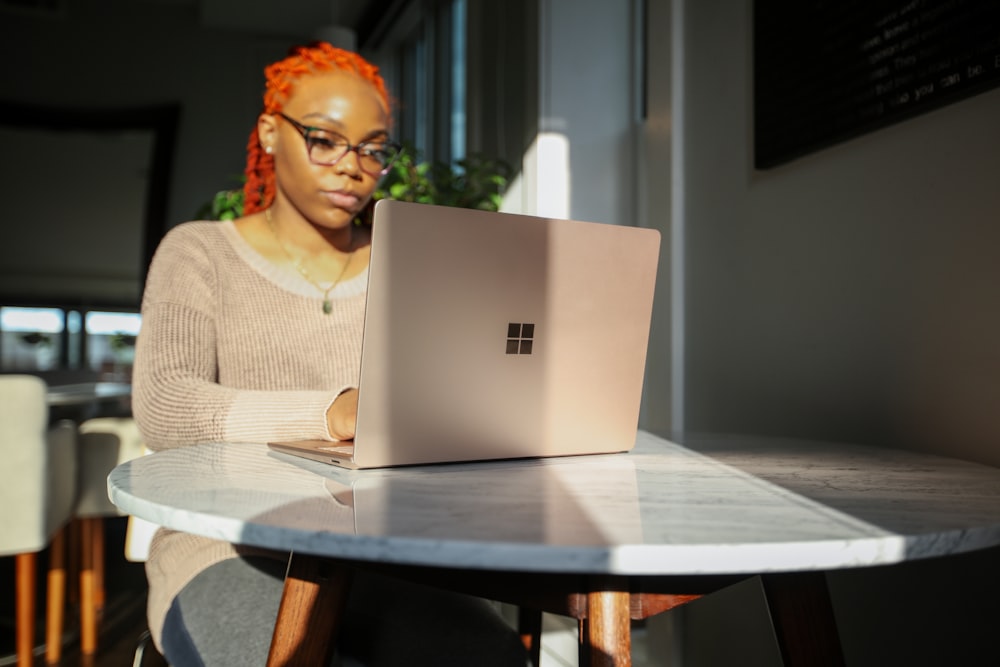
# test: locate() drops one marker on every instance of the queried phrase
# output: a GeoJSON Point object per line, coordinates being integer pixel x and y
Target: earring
{"type": "Point", "coordinates": [268, 150]}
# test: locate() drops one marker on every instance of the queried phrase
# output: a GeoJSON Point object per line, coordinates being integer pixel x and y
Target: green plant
{"type": "Point", "coordinates": [224, 205]}
{"type": "Point", "coordinates": [475, 182]}
{"type": "Point", "coordinates": [37, 338]}
{"type": "Point", "coordinates": [121, 342]}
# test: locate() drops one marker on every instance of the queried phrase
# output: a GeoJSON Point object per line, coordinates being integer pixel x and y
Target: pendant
{"type": "Point", "coordinates": [327, 307]}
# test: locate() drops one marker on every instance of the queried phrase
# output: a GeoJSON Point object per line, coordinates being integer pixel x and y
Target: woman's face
{"type": "Point", "coordinates": [340, 102]}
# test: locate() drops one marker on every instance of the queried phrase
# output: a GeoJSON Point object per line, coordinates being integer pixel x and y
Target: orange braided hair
{"type": "Point", "coordinates": [258, 190]}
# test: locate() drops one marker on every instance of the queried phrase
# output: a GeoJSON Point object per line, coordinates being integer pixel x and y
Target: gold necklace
{"type": "Point", "coordinates": [301, 268]}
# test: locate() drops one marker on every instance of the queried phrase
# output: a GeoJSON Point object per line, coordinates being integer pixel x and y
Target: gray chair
{"type": "Point", "coordinates": [104, 442]}
{"type": "Point", "coordinates": [37, 497]}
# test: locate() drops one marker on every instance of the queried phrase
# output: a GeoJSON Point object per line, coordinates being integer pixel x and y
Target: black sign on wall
{"type": "Point", "coordinates": [829, 70]}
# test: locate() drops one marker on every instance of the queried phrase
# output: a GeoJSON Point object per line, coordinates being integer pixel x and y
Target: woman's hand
{"type": "Point", "coordinates": [342, 417]}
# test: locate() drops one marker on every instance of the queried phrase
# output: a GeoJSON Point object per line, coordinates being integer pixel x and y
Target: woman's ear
{"type": "Point", "coordinates": [267, 132]}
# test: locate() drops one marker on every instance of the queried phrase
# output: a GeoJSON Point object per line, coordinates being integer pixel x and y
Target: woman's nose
{"type": "Point", "coordinates": [349, 163]}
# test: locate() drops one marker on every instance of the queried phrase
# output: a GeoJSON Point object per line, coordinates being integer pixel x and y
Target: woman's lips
{"type": "Point", "coordinates": [342, 199]}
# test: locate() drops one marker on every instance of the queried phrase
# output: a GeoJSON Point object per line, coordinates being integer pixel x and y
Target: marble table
{"type": "Point", "coordinates": [86, 392]}
{"type": "Point", "coordinates": [84, 400]}
{"type": "Point", "coordinates": [600, 538]}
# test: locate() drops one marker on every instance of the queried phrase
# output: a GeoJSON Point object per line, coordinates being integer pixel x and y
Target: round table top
{"type": "Point", "coordinates": [717, 504]}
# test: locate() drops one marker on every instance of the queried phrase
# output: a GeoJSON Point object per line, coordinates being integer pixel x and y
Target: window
{"type": "Point", "coordinates": [458, 69]}
{"type": "Point", "coordinates": [423, 56]}
{"type": "Point", "coordinates": [110, 346]}
{"type": "Point", "coordinates": [44, 339]}
{"type": "Point", "coordinates": [31, 338]}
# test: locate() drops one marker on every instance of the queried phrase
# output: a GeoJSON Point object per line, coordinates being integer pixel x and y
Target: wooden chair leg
{"type": "Point", "coordinates": [73, 562]}
{"type": "Point", "coordinates": [25, 567]}
{"type": "Point", "coordinates": [88, 607]}
{"type": "Point", "coordinates": [529, 626]}
{"type": "Point", "coordinates": [582, 643]}
{"type": "Point", "coordinates": [55, 605]}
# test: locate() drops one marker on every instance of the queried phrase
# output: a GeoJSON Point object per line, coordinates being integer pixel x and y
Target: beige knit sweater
{"type": "Point", "coordinates": [232, 349]}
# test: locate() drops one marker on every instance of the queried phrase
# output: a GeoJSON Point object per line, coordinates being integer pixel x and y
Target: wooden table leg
{"type": "Point", "coordinates": [608, 641]}
{"type": "Point", "coordinates": [312, 605]}
{"type": "Point", "coordinates": [802, 615]}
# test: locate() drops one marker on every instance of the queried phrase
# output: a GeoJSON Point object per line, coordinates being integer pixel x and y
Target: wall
{"type": "Point", "coordinates": [848, 295]}
{"type": "Point", "coordinates": [45, 247]}
{"type": "Point", "coordinates": [123, 54]}
{"type": "Point", "coordinates": [581, 164]}
{"type": "Point", "coordinates": [659, 199]}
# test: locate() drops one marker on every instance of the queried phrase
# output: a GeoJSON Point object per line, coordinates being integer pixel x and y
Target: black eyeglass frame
{"type": "Point", "coordinates": [305, 130]}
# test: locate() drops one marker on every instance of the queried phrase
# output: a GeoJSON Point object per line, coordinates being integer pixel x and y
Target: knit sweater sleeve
{"type": "Point", "coordinates": [179, 396]}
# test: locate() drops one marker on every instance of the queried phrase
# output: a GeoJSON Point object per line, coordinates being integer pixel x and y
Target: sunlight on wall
{"type": "Point", "coordinates": [543, 186]}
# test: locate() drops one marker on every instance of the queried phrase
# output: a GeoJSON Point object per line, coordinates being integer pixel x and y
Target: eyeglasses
{"type": "Point", "coordinates": [326, 148]}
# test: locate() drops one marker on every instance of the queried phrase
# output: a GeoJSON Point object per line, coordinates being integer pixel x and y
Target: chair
{"type": "Point", "coordinates": [137, 540]}
{"type": "Point", "coordinates": [37, 495]}
{"type": "Point", "coordinates": [104, 442]}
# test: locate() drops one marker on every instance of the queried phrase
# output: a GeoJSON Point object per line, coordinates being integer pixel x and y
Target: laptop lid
{"type": "Point", "coordinates": [494, 335]}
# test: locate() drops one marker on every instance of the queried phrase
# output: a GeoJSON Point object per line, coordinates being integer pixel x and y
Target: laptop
{"type": "Point", "coordinates": [497, 336]}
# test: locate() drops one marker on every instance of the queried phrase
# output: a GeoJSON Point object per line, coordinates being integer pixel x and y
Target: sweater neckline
{"type": "Point", "coordinates": [287, 280]}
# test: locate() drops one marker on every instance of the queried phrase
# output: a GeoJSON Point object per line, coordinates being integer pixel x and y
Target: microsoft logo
{"type": "Point", "coordinates": [520, 337]}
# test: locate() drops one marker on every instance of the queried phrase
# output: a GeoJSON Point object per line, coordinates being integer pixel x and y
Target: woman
{"type": "Point", "coordinates": [252, 332]}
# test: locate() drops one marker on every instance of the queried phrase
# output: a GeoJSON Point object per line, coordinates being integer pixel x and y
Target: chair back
{"type": "Point", "coordinates": [38, 475]}
{"type": "Point", "coordinates": [104, 442]}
